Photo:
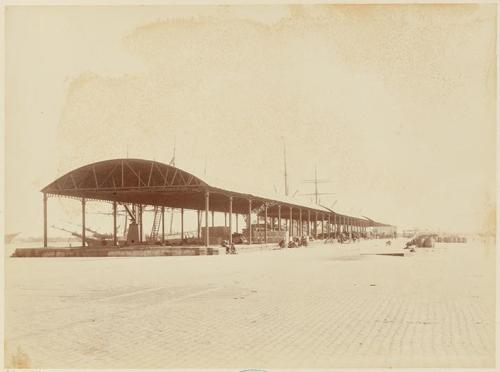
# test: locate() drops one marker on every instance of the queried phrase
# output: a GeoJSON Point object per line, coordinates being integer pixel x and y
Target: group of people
{"type": "Point", "coordinates": [294, 242]}
{"type": "Point", "coordinates": [346, 237]}
{"type": "Point", "coordinates": [343, 237]}
{"type": "Point", "coordinates": [303, 241]}
{"type": "Point", "coordinates": [230, 249]}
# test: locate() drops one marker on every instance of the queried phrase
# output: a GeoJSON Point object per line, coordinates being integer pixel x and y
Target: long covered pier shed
{"type": "Point", "coordinates": [135, 183]}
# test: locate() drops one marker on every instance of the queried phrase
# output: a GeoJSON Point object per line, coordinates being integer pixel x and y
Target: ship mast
{"type": "Point", "coordinates": [172, 163]}
{"type": "Point", "coordinates": [284, 161]}
{"type": "Point", "coordinates": [316, 181]}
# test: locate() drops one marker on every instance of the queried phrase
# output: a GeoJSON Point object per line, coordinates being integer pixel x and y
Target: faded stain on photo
{"type": "Point", "coordinates": [161, 162]}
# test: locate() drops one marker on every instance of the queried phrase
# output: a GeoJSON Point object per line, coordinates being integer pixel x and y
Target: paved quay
{"type": "Point", "coordinates": [290, 308]}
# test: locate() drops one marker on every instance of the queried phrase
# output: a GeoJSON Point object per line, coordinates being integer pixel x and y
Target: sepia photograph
{"type": "Point", "coordinates": [250, 187]}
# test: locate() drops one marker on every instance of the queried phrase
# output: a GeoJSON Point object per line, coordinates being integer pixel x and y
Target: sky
{"type": "Point", "coordinates": [395, 105]}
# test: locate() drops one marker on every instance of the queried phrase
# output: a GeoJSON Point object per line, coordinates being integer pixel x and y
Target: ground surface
{"type": "Point", "coordinates": [305, 307]}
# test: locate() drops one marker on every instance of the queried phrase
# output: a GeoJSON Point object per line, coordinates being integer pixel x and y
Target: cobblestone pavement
{"type": "Point", "coordinates": [291, 308]}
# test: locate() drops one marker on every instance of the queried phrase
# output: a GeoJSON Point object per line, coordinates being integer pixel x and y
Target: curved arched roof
{"type": "Point", "coordinates": [153, 183]}
{"type": "Point", "coordinates": [123, 174]}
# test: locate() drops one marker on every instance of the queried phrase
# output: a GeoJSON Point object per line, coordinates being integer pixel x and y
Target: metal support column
{"type": "Point", "coordinates": [301, 229]}
{"type": "Point", "coordinates": [249, 224]}
{"type": "Point", "coordinates": [316, 226]}
{"type": "Point", "coordinates": [182, 225]}
{"type": "Point", "coordinates": [45, 239]}
{"type": "Point", "coordinates": [163, 224]}
{"type": "Point", "coordinates": [308, 222]}
{"type": "Point", "coordinates": [279, 217]}
{"type": "Point", "coordinates": [207, 205]}
{"type": "Point", "coordinates": [230, 220]}
{"type": "Point", "coordinates": [115, 240]}
{"type": "Point", "coordinates": [83, 222]}
{"type": "Point", "coordinates": [141, 238]}
{"type": "Point", "coordinates": [265, 223]}
{"type": "Point", "coordinates": [199, 223]}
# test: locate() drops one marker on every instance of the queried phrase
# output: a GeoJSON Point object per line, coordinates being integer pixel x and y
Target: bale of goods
{"type": "Point", "coordinates": [258, 235]}
{"type": "Point", "coordinates": [216, 234]}
{"type": "Point", "coordinates": [428, 243]}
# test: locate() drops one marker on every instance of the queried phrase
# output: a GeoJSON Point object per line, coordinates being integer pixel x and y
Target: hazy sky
{"type": "Point", "coordinates": [394, 104]}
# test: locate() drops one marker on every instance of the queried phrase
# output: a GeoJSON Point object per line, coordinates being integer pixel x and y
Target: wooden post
{"type": "Point", "coordinates": [322, 226]}
{"type": "Point", "coordinates": [237, 217]}
{"type": "Point", "coordinates": [230, 220]}
{"type": "Point", "coordinates": [291, 223]}
{"type": "Point", "coordinates": [45, 238]}
{"type": "Point", "coordinates": [83, 222]}
{"type": "Point", "coordinates": [213, 218]}
{"type": "Point", "coordinates": [115, 240]}
{"type": "Point", "coordinates": [329, 225]}
{"type": "Point", "coordinates": [207, 205]}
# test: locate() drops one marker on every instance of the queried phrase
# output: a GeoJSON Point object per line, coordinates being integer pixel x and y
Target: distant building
{"type": "Point", "coordinates": [383, 231]}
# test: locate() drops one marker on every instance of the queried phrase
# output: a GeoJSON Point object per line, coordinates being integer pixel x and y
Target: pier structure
{"type": "Point", "coordinates": [136, 183]}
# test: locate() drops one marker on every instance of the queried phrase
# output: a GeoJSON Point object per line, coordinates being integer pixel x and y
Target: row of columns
{"type": "Point", "coordinates": [345, 223]}
{"type": "Point", "coordinates": [340, 223]}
